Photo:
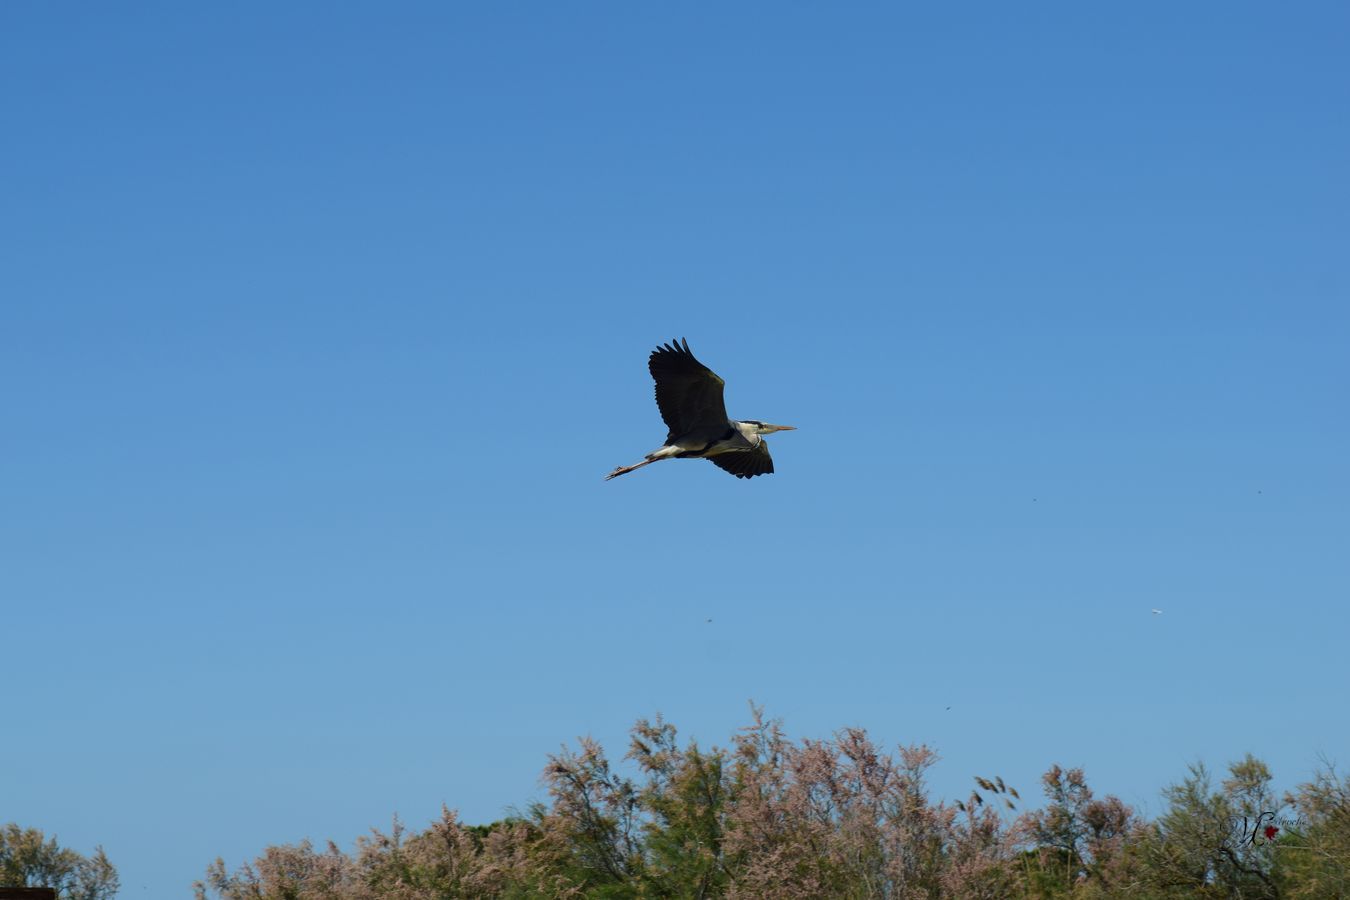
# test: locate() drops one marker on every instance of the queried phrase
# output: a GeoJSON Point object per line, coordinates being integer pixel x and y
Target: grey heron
{"type": "Point", "coordinates": [689, 395]}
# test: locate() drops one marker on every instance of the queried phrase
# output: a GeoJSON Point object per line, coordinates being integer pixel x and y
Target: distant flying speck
{"type": "Point", "coordinates": [1157, 612]}
{"type": "Point", "coordinates": [689, 395]}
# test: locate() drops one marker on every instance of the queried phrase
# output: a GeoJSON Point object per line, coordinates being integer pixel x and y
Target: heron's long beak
{"type": "Point", "coordinates": [772, 428]}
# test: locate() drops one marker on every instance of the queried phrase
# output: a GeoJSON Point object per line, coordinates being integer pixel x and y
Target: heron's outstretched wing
{"type": "Point", "coordinates": [745, 463]}
{"type": "Point", "coordinates": [688, 392]}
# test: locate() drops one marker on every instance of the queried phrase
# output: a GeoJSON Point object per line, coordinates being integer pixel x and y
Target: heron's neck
{"type": "Point", "coordinates": [748, 431]}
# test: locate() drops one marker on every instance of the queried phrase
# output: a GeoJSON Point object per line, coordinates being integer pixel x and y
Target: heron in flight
{"type": "Point", "coordinates": [689, 395]}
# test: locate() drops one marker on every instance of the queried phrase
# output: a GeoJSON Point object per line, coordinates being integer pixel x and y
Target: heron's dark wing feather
{"type": "Point", "coordinates": [688, 393]}
{"type": "Point", "coordinates": [746, 463]}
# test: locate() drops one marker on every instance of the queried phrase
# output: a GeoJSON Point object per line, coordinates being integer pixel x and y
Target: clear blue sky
{"type": "Point", "coordinates": [321, 325]}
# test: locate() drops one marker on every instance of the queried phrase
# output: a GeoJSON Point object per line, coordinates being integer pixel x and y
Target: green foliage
{"type": "Point", "coordinates": [685, 797]}
{"type": "Point", "coordinates": [1211, 843]}
{"type": "Point", "coordinates": [1313, 857]}
{"type": "Point", "coordinates": [28, 858]}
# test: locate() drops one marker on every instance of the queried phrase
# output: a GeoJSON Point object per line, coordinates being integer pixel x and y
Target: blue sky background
{"type": "Point", "coordinates": [321, 325]}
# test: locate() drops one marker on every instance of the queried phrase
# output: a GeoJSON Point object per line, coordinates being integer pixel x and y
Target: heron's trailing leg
{"type": "Point", "coordinates": [665, 452]}
{"type": "Point", "coordinates": [624, 470]}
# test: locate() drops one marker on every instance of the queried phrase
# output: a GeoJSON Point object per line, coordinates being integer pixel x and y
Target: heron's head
{"type": "Point", "coordinates": [766, 428]}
